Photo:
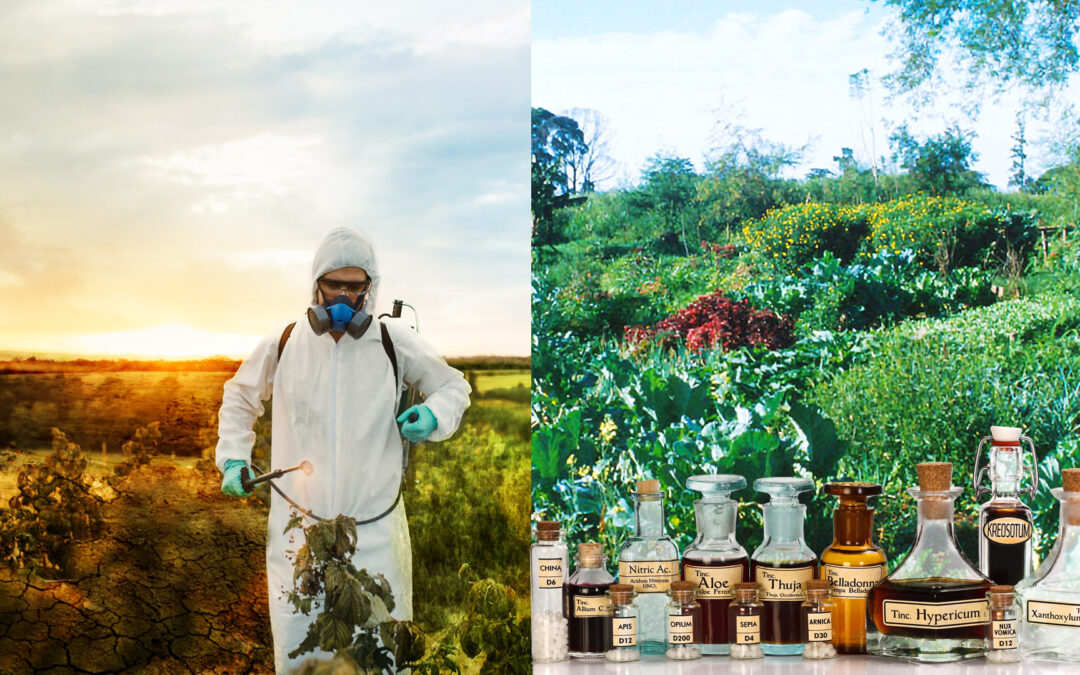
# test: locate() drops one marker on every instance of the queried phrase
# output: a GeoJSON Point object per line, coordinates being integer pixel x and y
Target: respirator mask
{"type": "Point", "coordinates": [339, 313]}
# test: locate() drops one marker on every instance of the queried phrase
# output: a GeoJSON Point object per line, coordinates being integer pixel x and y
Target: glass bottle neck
{"type": "Point", "coordinates": [715, 520]}
{"type": "Point", "coordinates": [1005, 471]}
{"type": "Point", "coordinates": [784, 522]}
{"type": "Point", "coordinates": [649, 518]}
{"type": "Point", "coordinates": [853, 524]}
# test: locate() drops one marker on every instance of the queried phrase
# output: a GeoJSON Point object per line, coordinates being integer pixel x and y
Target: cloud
{"type": "Point", "coordinates": [177, 162]}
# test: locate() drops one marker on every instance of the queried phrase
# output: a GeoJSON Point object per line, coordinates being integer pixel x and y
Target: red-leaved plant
{"type": "Point", "coordinates": [714, 321]}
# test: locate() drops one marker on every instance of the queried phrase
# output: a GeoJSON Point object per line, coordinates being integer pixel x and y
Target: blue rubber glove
{"type": "Point", "coordinates": [422, 427]}
{"type": "Point", "coordinates": [230, 484]}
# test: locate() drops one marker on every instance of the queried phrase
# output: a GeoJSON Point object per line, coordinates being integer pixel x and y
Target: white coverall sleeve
{"type": "Point", "coordinates": [446, 393]}
{"type": "Point", "coordinates": [242, 402]}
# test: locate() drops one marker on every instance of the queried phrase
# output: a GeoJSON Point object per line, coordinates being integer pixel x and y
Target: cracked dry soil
{"type": "Point", "coordinates": [176, 583]}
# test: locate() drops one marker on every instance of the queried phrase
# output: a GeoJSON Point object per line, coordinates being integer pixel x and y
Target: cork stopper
{"type": "Point", "coordinates": [934, 476]}
{"type": "Point", "coordinates": [548, 530]}
{"type": "Point", "coordinates": [817, 589]}
{"type": "Point", "coordinates": [648, 487]}
{"type": "Point", "coordinates": [746, 591]}
{"type": "Point", "coordinates": [1070, 480]}
{"type": "Point", "coordinates": [683, 591]}
{"type": "Point", "coordinates": [621, 594]}
{"type": "Point", "coordinates": [1001, 596]}
{"type": "Point", "coordinates": [590, 554]}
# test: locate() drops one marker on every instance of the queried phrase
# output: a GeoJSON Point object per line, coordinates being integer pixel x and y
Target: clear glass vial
{"type": "Point", "coordinates": [852, 564]}
{"type": "Point", "coordinates": [816, 621]}
{"type": "Point", "coordinates": [1006, 528]}
{"type": "Point", "coordinates": [624, 623]}
{"type": "Point", "coordinates": [933, 606]}
{"type": "Point", "coordinates": [684, 622]}
{"type": "Point", "coordinates": [1003, 631]}
{"type": "Point", "coordinates": [1050, 598]}
{"type": "Point", "coordinates": [715, 561]}
{"type": "Point", "coordinates": [783, 564]}
{"type": "Point", "coordinates": [548, 562]}
{"type": "Point", "coordinates": [649, 560]}
{"type": "Point", "coordinates": [587, 607]}
{"type": "Point", "coordinates": [744, 622]}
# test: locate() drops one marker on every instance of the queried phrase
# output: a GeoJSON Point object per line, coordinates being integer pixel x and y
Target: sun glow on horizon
{"type": "Point", "coordinates": [170, 341]}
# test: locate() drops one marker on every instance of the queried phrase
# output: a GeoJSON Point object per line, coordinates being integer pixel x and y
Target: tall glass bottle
{"type": "Point", "coordinates": [852, 563]}
{"type": "Point", "coordinates": [1005, 522]}
{"type": "Point", "coordinates": [714, 561]}
{"type": "Point", "coordinates": [587, 605]}
{"type": "Point", "coordinates": [549, 571]}
{"type": "Point", "coordinates": [782, 564]}
{"type": "Point", "coordinates": [1050, 598]}
{"type": "Point", "coordinates": [933, 606]}
{"type": "Point", "coordinates": [649, 560]}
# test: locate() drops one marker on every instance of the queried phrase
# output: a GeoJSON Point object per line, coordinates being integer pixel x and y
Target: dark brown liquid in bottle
{"type": "Point", "coordinates": [780, 618]}
{"type": "Point", "coordinates": [933, 590]}
{"type": "Point", "coordinates": [590, 634]}
{"type": "Point", "coordinates": [714, 614]}
{"type": "Point", "coordinates": [1007, 562]}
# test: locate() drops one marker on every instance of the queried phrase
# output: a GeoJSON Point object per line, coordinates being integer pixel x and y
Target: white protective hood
{"type": "Point", "coordinates": [346, 247]}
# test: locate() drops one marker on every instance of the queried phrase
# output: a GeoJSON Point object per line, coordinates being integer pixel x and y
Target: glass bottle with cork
{"type": "Point", "coordinates": [933, 606]}
{"type": "Point", "coordinates": [684, 622]}
{"type": "Point", "coordinates": [649, 560]}
{"type": "Point", "coordinates": [715, 561]}
{"type": "Point", "coordinates": [1002, 634]}
{"type": "Point", "coordinates": [816, 621]}
{"type": "Point", "coordinates": [783, 564]}
{"type": "Point", "coordinates": [1005, 523]}
{"type": "Point", "coordinates": [744, 622]}
{"type": "Point", "coordinates": [548, 562]}
{"type": "Point", "coordinates": [586, 604]}
{"type": "Point", "coordinates": [624, 616]}
{"type": "Point", "coordinates": [852, 564]}
{"type": "Point", "coordinates": [1050, 598]}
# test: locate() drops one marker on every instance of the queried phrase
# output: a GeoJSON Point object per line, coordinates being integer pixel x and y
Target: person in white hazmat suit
{"type": "Point", "coordinates": [334, 405]}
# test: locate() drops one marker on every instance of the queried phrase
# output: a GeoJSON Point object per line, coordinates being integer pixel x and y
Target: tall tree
{"type": "Point", "coordinates": [941, 164]}
{"type": "Point", "coordinates": [555, 138]}
{"type": "Point", "coordinates": [995, 42]}
{"type": "Point", "coordinates": [591, 164]}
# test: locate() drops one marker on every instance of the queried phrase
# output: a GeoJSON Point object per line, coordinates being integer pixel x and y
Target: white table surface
{"type": "Point", "coordinates": [790, 665]}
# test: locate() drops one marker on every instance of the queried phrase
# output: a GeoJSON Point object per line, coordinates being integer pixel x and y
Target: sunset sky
{"type": "Point", "coordinates": [168, 169]}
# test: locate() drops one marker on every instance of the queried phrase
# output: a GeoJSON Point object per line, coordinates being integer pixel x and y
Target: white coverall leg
{"type": "Point", "coordinates": [335, 406]}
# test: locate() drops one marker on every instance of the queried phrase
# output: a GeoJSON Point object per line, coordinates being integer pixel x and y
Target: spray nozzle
{"type": "Point", "coordinates": [716, 489]}
{"type": "Point", "coordinates": [783, 491]}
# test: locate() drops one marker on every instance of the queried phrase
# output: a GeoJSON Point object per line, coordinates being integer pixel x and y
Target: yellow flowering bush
{"type": "Point", "coordinates": [942, 231]}
{"type": "Point", "coordinates": [794, 235]}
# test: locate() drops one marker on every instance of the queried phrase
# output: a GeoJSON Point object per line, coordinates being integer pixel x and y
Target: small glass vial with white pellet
{"type": "Point", "coordinates": [1002, 633]}
{"type": "Point", "coordinates": [816, 616]}
{"type": "Point", "coordinates": [684, 622]}
{"type": "Point", "coordinates": [744, 622]}
{"type": "Point", "coordinates": [549, 572]}
{"type": "Point", "coordinates": [624, 626]}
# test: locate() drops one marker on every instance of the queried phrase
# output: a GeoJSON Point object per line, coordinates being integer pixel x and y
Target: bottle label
{"type": "Point", "coordinates": [714, 583]}
{"type": "Point", "coordinates": [852, 582]}
{"type": "Point", "coordinates": [1003, 634]}
{"type": "Point", "coordinates": [819, 626]}
{"type": "Point", "coordinates": [1053, 613]}
{"type": "Point", "coordinates": [936, 615]}
{"type": "Point", "coordinates": [624, 631]}
{"type": "Point", "coordinates": [591, 605]}
{"type": "Point", "coordinates": [783, 583]}
{"type": "Point", "coordinates": [549, 572]}
{"type": "Point", "coordinates": [747, 630]}
{"type": "Point", "coordinates": [680, 629]}
{"type": "Point", "coordinates": [648, 576]}
{"type": "Point", "coordinates": [1007, 530]}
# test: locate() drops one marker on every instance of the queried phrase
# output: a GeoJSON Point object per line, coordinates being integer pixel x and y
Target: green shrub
{"type": "Point", "coordinates": [929, 390]}
{"type": "Point", "coordinates": [792, 236]}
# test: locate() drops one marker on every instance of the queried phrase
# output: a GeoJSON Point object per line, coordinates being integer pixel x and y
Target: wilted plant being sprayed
{"type": "Point", "coordinates": [354, 607]}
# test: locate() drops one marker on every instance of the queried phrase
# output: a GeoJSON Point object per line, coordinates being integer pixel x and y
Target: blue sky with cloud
{"type": "Point", "coordinates": [174, 165]}
{"type": "Point", "coordinates": [671, 76]}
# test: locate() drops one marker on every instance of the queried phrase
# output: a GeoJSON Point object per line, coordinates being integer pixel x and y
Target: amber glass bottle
{"type": "Point", "coordinates": [852, 564]}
